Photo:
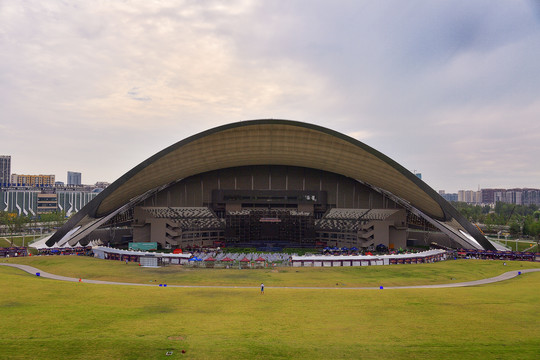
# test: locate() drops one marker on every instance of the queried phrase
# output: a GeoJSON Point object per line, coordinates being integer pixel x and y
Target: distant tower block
{"type": "Point", "coordinates": [73, 178]}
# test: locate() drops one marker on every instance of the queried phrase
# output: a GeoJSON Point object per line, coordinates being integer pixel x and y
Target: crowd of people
{"type": "Point", "coordinates": [81, 251]}
{"type": "Point", "coordinates": [495, 255]}
{"type": "Point", "coordinates": [13, 251]}
{"type": "Point", "coordinates": [252, 257]}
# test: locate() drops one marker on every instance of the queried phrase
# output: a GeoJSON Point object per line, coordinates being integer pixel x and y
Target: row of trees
{"type": "Point", "coordinates": [520, 219]}
{"type": "Point", "coordinates": [12, 224]}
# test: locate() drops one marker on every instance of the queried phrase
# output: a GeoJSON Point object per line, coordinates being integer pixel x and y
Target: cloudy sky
{"type": "Point", "coordinates": [450, 89]}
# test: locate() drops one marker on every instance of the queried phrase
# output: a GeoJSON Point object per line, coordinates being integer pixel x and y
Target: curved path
{"type": "Point", "coordinates": [506, 276]}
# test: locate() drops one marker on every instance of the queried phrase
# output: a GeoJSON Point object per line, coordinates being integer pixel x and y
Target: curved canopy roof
{"type": "Point", "coordinates": [272, 142]}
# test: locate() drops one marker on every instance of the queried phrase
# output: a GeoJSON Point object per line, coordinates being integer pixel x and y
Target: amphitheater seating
{"type": "Point", "coordinates": [347, 220]}
{"type": "Point", "coordinates": [337, 224]}
{"type": "Point", "coordinates": [351, 220]}
{"type": "Point", "coordinates": [346, 214]}
{"type": "Point", "coordinates": [188, 217]}
{"type": "Point", "coordinates": [379, 214]}
{"type": "Point", "coordinates": [219, 256]}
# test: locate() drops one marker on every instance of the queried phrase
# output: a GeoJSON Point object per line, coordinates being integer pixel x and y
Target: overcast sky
{"type": "Point", "coordinates": [450, 89]}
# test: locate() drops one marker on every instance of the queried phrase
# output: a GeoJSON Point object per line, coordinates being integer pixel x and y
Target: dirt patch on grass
{"type": "Point", "coordinates": [12, 304]}
{"type": "Point", "coordinates": [177, 338]}
{"type": "Point", "coordinates": [155, 309]}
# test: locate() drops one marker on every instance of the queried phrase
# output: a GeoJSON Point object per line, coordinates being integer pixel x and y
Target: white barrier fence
{"type": "Point", "coordinates": [428, 256]}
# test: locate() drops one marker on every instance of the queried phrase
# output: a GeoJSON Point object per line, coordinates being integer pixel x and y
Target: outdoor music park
{"type": "Point", "coordinates": [270, 185]}
{"type": "Point", "coordinates": [305, 313]}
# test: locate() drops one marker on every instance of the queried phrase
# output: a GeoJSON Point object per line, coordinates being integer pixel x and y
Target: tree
{"type": "Point", "coordinates": [15, 224]}
{"type": "Point", "coordinates": [527, 226]}
{"type": "Point", "coordinates": [3, 219]}
{"type": "Point", "coordinates": [533, 228]}
{"type": "Point", "coordinates": [515, 228]}
{"type": "Point", "coordinates": [54, 219]}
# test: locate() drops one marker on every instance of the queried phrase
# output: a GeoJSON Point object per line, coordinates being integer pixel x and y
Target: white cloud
{"type": "Point", "coordinates": [360, 135]}
{"type": "Point", "coordinates": [447, 87]}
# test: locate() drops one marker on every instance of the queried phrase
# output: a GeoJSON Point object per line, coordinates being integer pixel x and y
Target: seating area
{"type": "Point", "coordinates": [341, 220]}
{"type": "Point", "coordinates": [378, 214]}
{"type": "Point", "coordinates": [340, 225]}
{"type": "Point", "coordinates": [188, 217]}
{"type": "Point", "coordinates": [359, 214]}
{"type": "Point", "coordinates": [180, 212]}
{"type": "Point", "coordinates": [224, 259]}
{"type": "Point", "coordinates": [346, 214]}
{"type": "Point", "coordinates": [139, 256]}
{"type": "Point", "coordinates": [203, 258]}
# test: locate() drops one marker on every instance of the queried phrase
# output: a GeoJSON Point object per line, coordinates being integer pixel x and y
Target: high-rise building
{"type": "Point", "coordinates": [523, 196]}
{"type": "Point", "coordinates": [448, 196]}
{"type": "Point", "coordinates": [469, 196]}
{"type": "Point", "coordinates": [32, 180]}
{"type": "Point", "coordinates": [530, 197]}
{"type": "Point", "coordinates": [73, 178]}
{"type": "Point", "coordinates": [488, 195]}
{"type": "Point", "coordinates": [5, 170]}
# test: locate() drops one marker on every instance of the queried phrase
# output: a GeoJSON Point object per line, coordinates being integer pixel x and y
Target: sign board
{"type": "Point", "coordinates": [145, 246]}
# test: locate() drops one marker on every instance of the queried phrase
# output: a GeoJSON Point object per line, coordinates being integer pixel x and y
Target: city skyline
{"type": "Point", "coordinates": [448, 89]}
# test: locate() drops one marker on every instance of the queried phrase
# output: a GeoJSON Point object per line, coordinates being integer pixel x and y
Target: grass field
{"type": "Point", "coordinates": [5, 241]}
{"type": "Point", "coordinates": [395, 275]}
{"type": "Point", "coordinates": [522, 245]}
{"type": "Point", "coordinates": [47, 319]}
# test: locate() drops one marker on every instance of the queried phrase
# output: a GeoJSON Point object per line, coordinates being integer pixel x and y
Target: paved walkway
{"type": "Point", "coordinates": [506, 276]}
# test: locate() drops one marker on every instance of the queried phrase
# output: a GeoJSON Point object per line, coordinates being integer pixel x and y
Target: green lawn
{"type": "Point", "coordinates": [47, 319]}
{"type": "Point", "coordinates": [5, 241]}
{"type": "Point", "coordinates": [393, 275]}
{"type": "Point", "coordinates": [522, 245]}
